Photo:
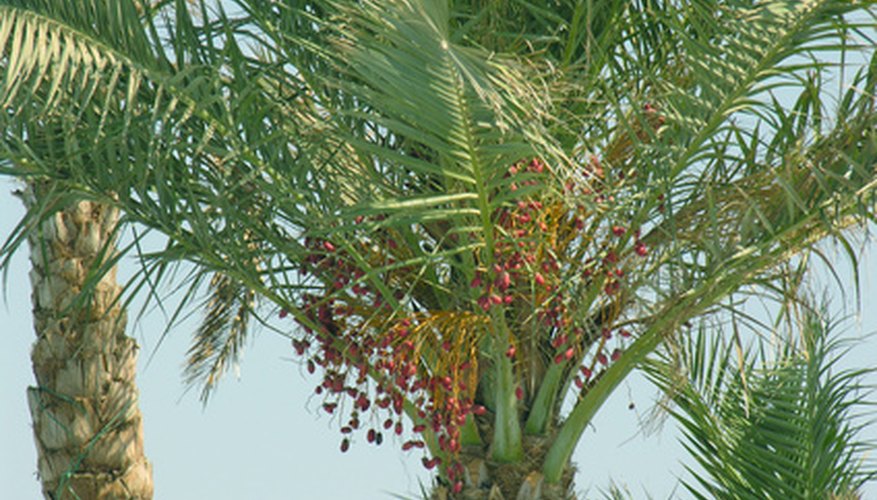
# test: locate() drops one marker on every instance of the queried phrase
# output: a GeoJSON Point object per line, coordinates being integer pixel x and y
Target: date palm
{"type": "Point", "coordinates": [87, 423]}
{"type": "Point", "coordinates": [471, 210]}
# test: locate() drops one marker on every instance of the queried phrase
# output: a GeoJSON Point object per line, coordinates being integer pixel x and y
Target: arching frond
{"type": "Point", "coordinates": [772, 426]}
{"type": "Point", "coordinates": [219, 339]}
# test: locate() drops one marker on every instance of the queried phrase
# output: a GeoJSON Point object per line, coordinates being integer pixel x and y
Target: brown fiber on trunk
{"type": "Point", "coordinates": [86, 419]}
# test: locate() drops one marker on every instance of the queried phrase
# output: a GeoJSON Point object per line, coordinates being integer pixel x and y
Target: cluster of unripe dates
{"type": "Point", "coordinates": [372, 357]}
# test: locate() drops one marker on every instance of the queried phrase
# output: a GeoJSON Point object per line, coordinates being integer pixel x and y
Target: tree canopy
{"type": "Point", "coordinates": [470, 209]}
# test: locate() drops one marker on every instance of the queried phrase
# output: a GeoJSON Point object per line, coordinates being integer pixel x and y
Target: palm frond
{"type": "Point", "coordinates": [785, 427]}
{"type": "Point", "coordinates": [444, 134]}
{"type": "Point", "coordinates": [217, 344]}
{"type": "Point", "coordinates": [55, 49]}
{"type": "Point", "coordinates": [88, 83]}
{"type": "Point", "coordinates": [685, 166]}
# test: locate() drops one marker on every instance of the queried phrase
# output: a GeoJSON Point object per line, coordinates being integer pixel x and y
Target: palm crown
{"type": "Point", "coordinates": [470, 209]}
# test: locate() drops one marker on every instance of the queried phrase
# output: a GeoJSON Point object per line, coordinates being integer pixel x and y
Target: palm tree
{"type": "Point", "coordinates": [471, 210]}
{"type": "Point", "coordinates": [88, 427]}
{"type": "Point", "coordinates": [87, 423]}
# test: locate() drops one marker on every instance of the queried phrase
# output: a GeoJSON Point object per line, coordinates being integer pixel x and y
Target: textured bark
{"type": "Point", "coordinates": [86, 418]}
{"type": "Point", "coordinates": [487, 480]}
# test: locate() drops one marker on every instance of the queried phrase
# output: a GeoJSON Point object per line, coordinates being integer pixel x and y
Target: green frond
{"type": "Point", "coordinates": [217, 344]}
{"type": "Point", "coordinates": [52, 49]}
{"type": "Point", "coordinates": [459, 117]}
{"type": "Point", "coordinates": [786, 427]}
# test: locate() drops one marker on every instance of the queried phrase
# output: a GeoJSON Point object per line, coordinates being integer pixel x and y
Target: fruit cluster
{"type": "Point", "coordinates": [548, 259]}
{"type": "Point", "coordinates": [374, 361]}
{"type": "Point", "coordinates": [551, 264]}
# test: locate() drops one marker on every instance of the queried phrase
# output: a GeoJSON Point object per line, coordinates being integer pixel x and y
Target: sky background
{"type": "Point", "coordinates": [261, 435]}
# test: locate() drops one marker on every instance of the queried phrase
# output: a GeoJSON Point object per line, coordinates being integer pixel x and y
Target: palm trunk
{"type": "Point", "coordinates": [488, 480]}
{"type": "Point", "coordinates": [86, 419]}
